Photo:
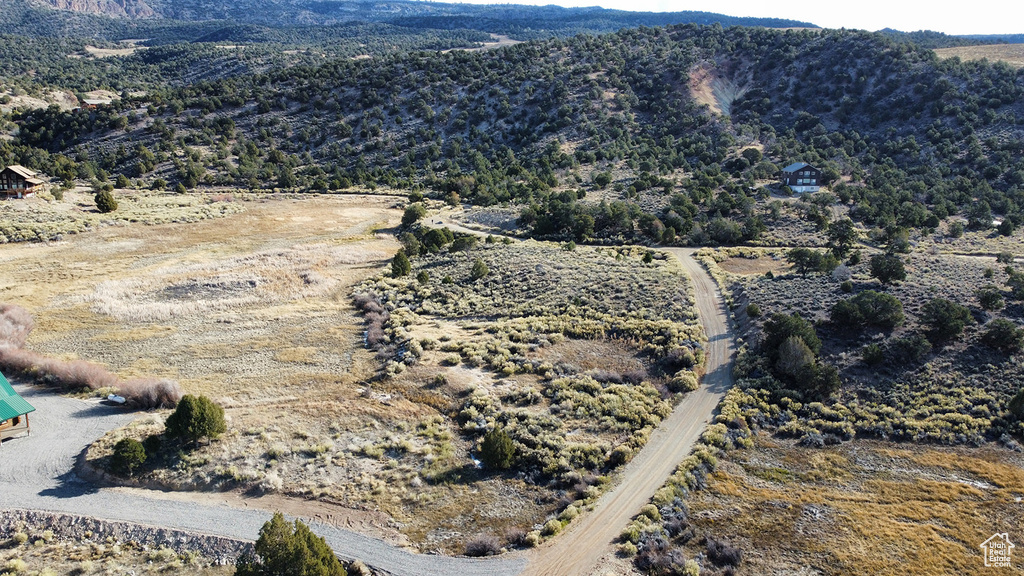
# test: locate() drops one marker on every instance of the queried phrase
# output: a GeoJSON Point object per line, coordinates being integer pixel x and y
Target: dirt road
{"type": "Point", "coordinates": [38, 473]}
{"type": "Point", "coordinates": [576, 551]}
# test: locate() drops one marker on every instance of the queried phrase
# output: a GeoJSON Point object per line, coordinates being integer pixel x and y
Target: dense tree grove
{"type": "Point", "coordinates": [544, 123]}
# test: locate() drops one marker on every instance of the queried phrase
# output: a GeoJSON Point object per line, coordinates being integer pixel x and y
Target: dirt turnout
{"type": "Point", "coordinates": [577, 552]}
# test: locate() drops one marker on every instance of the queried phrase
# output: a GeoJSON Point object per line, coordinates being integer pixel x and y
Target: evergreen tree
{"type": "Point", "coordinates": [400, 265]}
{"type": "Point", "coordinates": [945, 319]}
{"type": "Point", "coordinates": [286, 549]}
{"type": "Point", "coordinates": [480, 269]}
{"type": "Point", "coordinates": [128, 455]}
{"type": "Point", "coordinates": [105, 201]}
{"type": "Point", "coordinates": [497, 450]}
{"type": "Point", "coordinates": [196, 418]}
{"type": "Point", "coordinates": [888, 268]}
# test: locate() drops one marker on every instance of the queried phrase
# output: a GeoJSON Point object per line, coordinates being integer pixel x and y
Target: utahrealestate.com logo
{"type": "Point", "coordinates": [997, 550]}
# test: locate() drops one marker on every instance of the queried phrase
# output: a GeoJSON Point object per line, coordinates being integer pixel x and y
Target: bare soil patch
{"type": "Point", "coordinates": [750, 266]}
{"type": "Point", "coordinates": [498, 41]}
{"type": "Point", "coordinates": [108, 52]}
{"type": "Point", "coordinates": [717, 87]}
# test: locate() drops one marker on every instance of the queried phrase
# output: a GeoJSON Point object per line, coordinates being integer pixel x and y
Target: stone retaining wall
{"type": "Point", "coordinates": [218, 550]}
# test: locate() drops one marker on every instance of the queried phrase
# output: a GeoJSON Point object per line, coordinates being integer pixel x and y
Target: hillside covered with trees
{"type": "Point", "coordinates": [593, 136]}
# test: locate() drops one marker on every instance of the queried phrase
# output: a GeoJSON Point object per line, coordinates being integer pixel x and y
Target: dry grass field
{"type": "Point", "coordinates": [249, 300]}
{"type": "Point", "coordinates": [862, 507]}
{"type": "Point", "coordinates": [251, 308]}
{"type": "Point", "coordinates": [1012, 54]}
{"type": "Point", "coordinates": [41, 218]}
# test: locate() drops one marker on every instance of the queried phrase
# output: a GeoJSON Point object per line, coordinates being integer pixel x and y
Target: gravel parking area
{"type": "Point", "coordinates": [38, 474]}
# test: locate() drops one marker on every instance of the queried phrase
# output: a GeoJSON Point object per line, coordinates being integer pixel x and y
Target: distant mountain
{"type": "Point", "coordinates": [116, 8]}
{"type": "Point", "coordinates": [997, 38]}
{"type": "Point", "coordinates": [502, 19]}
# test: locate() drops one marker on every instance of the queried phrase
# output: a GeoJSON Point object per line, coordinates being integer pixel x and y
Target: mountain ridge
{"type": "Point", "coordinates": [314, 12]}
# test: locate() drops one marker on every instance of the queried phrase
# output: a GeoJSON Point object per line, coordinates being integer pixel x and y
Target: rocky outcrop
{"type": "Point", "coordinates": [115, 8]}
{"type": "Point", "coordinates": [70, 527]}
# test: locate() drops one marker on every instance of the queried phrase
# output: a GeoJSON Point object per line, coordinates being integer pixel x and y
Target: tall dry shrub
{"type": "Point", "coordinates": [15, 325]}
{"type": "Point", "coordinates": [74, 374]}
{"type": "Point", "coordinates": [148, 393]}
{"type": "Point", "coordinates": [376, 316]}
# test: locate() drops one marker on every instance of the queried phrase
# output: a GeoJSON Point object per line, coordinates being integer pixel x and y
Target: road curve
{"type": "Point", "coordinates": [575, 552]}
{"type": "Point", "coordinates": [37, 473]}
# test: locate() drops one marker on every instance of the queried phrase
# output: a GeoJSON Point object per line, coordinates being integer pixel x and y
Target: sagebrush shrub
{"type": "Point", "coordinates": [723, 554]}
{"type": "Point", "coordinates": [483, 545]}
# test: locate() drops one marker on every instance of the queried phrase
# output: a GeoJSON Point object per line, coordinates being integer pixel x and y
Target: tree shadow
{"type": "Point", "coordinates": [71, 485]}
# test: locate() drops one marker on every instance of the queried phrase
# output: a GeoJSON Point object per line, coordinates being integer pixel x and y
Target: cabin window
{"type": "Point", "coordinates": [16, 421]}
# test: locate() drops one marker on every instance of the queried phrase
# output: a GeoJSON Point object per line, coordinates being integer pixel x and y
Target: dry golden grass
{"type": "Point", "coordinates": [864, 507]}
{"type": "Point", "coordinates": [252, 309]}
{"type": "Point", "coordinates": [1012, 54]}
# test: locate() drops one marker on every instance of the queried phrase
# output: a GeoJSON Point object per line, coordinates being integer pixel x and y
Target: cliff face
{"type": "Point", "coordinates": [115, 8]}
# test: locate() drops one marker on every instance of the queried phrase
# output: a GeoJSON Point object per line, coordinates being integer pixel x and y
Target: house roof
{"type": "Point", "coordinates": [28, 175]}
{"type": "Point", "coordinates": [796, 166]}
{"type": "Point", "coordinates": [11, 405]}
{"type": "Point", "coordinates": [22, 171]}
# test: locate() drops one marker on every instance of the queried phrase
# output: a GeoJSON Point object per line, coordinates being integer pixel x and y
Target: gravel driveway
{"type": "Point", "coordinates": [37, 473]}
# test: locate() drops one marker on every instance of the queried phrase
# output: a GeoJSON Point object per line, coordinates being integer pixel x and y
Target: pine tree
{"type": "Point", "coordinates": [497, 450]}
{"type": "Point", "coordinates": [289, 548]}
{"type": "Point", "coordinates": [480, 269]}
{"type": "Point", "coordinates": [105, 201]}
{"type": "Point", "coordinates": [195, 418]}
{"type": "Point", "coordinates": [400, 265]}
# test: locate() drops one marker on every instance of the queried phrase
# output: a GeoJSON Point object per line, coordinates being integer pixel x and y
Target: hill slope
{"type": "Point", "coordinates": [913, 138]}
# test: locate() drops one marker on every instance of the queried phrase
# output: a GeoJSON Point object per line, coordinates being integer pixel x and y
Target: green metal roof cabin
{"type": "Point", "coordinates": [13, 411]}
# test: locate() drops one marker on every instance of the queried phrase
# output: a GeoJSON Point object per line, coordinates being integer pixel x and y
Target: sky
{"type": "Point", "coordinates": [976, 17]}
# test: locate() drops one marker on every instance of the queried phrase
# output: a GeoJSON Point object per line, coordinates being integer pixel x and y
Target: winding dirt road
{"type": "Point", "coordinates": [575, 552]}
{"type": "Point", "coordinates": [38, 473]}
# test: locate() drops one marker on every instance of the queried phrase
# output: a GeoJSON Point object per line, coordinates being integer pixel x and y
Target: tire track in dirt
{"type": "Point", "coordinates": [575, 552]}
